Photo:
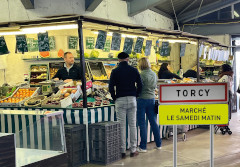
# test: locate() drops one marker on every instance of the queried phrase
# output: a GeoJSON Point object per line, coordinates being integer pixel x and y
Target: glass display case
{"type": "Point", "coordinates": [39, 136]}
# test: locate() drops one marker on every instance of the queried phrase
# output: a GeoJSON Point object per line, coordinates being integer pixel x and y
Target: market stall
{"type": "Point", "coordinates": [95, 44]}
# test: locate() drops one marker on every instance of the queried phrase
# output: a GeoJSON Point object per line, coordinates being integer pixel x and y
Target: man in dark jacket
{"type": "Point", "coordinates": [70, 71]}
{"type": "Point", "coordinates": [125, 85]}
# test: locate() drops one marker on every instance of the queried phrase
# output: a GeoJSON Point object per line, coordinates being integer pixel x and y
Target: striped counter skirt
{"type": "Point", "coordinates": [32, 131]}
{"type": "Point", "coordinates": [13, 124]}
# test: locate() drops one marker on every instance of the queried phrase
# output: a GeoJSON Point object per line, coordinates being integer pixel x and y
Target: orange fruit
{"type": "Point", "coordinates": [74, 91]}
{"type": "Point", "coordinates": [66, 94]}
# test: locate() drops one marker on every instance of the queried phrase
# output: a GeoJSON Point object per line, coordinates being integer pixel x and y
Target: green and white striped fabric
{"type": "Point", "coordinates": [70, 116]}
{"type": "Point", "coordinates": [32, 131]}
{"type": "Point", "coordinates": [99, 114]}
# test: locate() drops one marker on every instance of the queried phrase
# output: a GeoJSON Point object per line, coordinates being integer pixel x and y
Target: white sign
{"type": "Point", "coordinates": [193, 93]}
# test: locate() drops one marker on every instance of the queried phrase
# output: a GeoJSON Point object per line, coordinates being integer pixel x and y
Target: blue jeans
{"type": "Point", "coordinates": [127, 107]}
{"type": "Point", "coordinates": [146, 106]}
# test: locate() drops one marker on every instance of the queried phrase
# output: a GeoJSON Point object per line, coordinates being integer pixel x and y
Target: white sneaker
{"type": "Point", "coordinates": [158, 148]}
{"type": "Point", "coordinates": [141, 150]}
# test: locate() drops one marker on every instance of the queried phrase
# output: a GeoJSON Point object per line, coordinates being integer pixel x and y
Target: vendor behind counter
{"type": "Point", "coordinates": [192, 73]}
{"type": "Point", "coordinates": [70, 71]}
{"type": "Point", "coordinates": [165, 73]}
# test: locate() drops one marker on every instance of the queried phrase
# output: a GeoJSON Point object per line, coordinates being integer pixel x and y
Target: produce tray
{"type": "Point", "coordinates": [40, 98]}
{"type": "Point", "coordinates": [38, 69]}
{"type": "Point", "coordinates": [98, 85]}
{"type": "Point", "coordinates": [97, 69]}
{"type": "Point", "coordinates": [62, 103]}
{"type": "Point", "coordinates": [109, 67]}
{"type": "Point", "coordinates": [10, 95]}
{"type": "Point", "coordinates": [53, 68]}
{"type": "Point", "coordinates": [11, 104]}
{"type": "Point", "coordinates": [88, 74]}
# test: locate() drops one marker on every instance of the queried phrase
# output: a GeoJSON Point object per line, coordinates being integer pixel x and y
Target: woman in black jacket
{"type": "Point", "coordinates": [164, 72]}
{"type": "Point", "coordinates": [192, 73]}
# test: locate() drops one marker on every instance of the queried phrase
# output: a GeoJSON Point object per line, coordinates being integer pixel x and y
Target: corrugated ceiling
{"type": "Point", "coordinates": [180, 5]}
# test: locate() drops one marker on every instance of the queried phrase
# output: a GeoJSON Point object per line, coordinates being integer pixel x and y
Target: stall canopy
{"type": "Point", "coordinates": [109, 25]}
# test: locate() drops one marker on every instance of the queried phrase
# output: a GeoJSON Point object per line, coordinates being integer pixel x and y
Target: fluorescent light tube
{"type": "Point", "coordinates": [236, 13]}
{"type": "Point", "coordinates": [47, 28]}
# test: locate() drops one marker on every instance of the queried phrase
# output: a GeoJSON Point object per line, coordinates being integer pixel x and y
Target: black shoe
{"type": "Point", "coordinates": [123, 155]}
{"type": "Point", "coordinates": [134, 154]}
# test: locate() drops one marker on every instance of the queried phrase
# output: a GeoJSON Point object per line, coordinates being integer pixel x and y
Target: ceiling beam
{"type": "Point", "coordinates": [215, 6]}
{"type": "Point", "coordinates": [161, 12]}
{"type": "Point", "coordinates": [186, 7]}
{"type": "Point", "coordinates": [138, 6]}
{"type": "Point", "coordinates": [91, 5]}
{"type": "Point", "coordinates": [28, 4]}
{"type": "Point", "coordinates": [213, 29]}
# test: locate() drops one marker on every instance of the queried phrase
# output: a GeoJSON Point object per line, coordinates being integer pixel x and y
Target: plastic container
{"type": "Point", "coordinates": [76, 144]}
{"type": "Point", "coordinates": [104, 142]}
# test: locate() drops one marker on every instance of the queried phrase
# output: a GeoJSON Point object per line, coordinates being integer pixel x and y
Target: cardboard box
{"type": "Point", "coordinates": [62, 103]}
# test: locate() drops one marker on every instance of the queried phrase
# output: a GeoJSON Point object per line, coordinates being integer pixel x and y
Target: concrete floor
{"type": "Point", "coordinates": [193, 152]}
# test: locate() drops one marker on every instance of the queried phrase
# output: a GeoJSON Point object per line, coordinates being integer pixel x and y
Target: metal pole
{"type": "Point", "coordinates": [82, 62]}
{"type": "Point", "coordinates": [82, 66]}
{"type": "Point", "coordinates": [211, 145]}
{"type": "Point", "coordinates": [198, 55]}
{"type": "Point", "coordinates": [232, 11]}
{"type": "Point", "coordinates": [64, 147]}
{"type": "Point", "coordinates": [174, 145]}
{"type": "Point", "coordinates": [4, 72]}
{"type": "Point", "coordinates": [85, 121]}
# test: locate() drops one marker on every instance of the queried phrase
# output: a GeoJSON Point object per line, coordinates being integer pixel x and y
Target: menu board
{"type": "Point", "coordinates": [128, 43]}
{"type": "Point", "coordinates": [165, 49]}
{"type": "Point", "coordinates": [52, 43]}
{"type": "Point", "coordinates": [200, 50]}
{"type": "Point", "coordinates": [101, 39]}
{"type": "Point", "coordinates": [21, 43]}
{"type": "Point", "coordinates": [3, 46]}
{"type": "Point", "coordinates": [182, 49]}
{"type": "Point", "coordinates": [107, 45]}
{"type": "Point", "coordinates": [72, 42]}
{"type": "Point", "coordinates": [139, 45]}
{"type": "Point", "coordinates": [90, 42]}
{"type": "Point", "coordinates": [116, 41]}
{"type": "Point", "coordinates": [43, 42]}
{"type": "Point", "coordinates": [148, 48]}
{"type": "Point", "coordinates": [32, 44]}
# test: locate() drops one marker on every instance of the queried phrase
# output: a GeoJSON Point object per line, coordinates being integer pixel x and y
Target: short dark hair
{"type": "Point", "coordinates": [226, 67]}
{"type": "Point", "coordinates": [162, 69]}
{"type": "Point", "coordinates": [65, 54]}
